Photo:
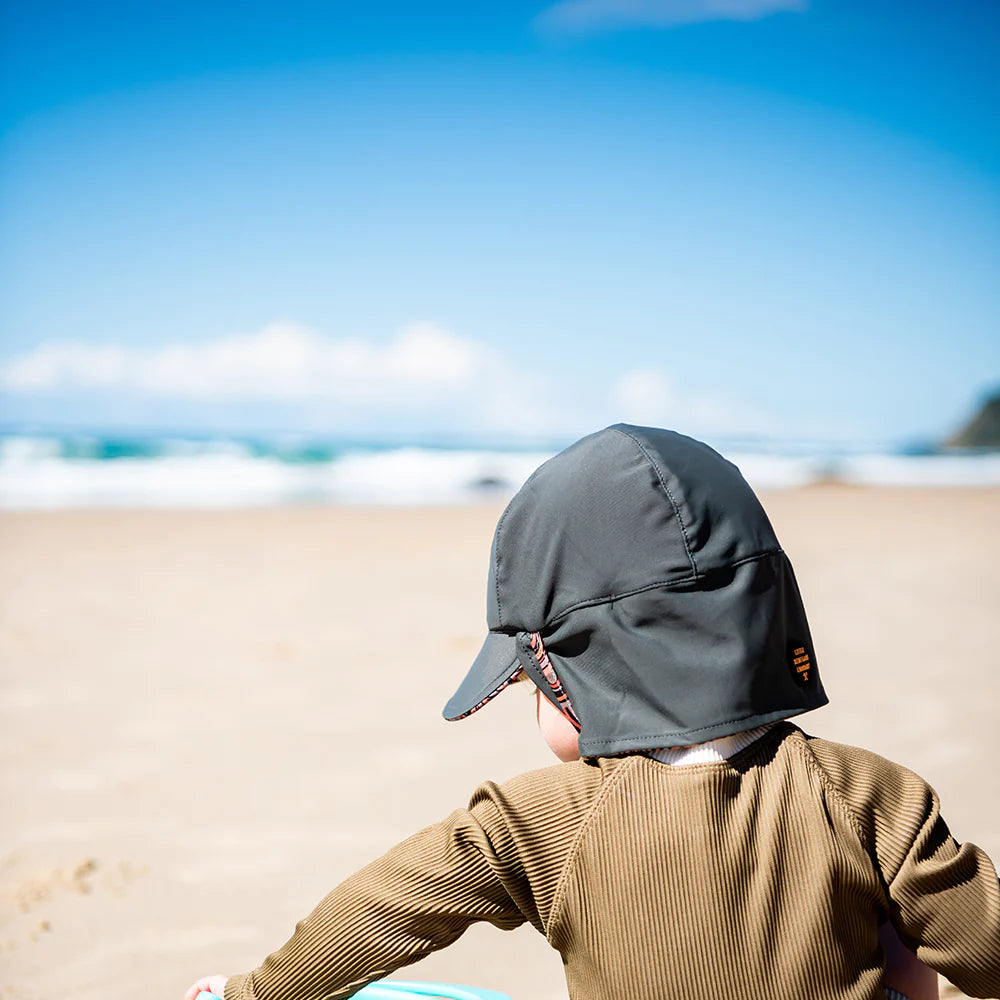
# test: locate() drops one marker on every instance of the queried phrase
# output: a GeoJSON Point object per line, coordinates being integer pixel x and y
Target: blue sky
{"type": "Point", "coordinates": [744, 217]}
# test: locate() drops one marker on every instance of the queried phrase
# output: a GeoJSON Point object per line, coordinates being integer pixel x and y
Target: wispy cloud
{"type": "Point", "coordinates": [425, 374]}
{"type": "Point", "coordinates": [282, 361]}
{"type": "Point", "coordinates": [583, 16]}
{"type": "Point", "coordinates": [425, 378]}
{"type": "Point", "coordinates": [648, 396]}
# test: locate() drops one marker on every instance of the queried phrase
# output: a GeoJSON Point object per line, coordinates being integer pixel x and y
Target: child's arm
{"type": "Point", "coordinates": [904, 972]}
{"type": "Point", "coordinates": [943, 898]}
{"type": "Point", "coordinates": [419, 897]}
{"type": "Point", "coordinates": [945, 902]}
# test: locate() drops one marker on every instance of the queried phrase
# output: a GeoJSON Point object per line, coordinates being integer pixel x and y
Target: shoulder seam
{"type": "Point", "coordinates": [830, 787]}
{"type": "Point", "coordinates": [561, 886]}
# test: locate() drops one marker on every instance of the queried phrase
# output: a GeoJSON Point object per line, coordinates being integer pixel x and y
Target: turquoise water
{"type": "Point", "coordinates": [40, 470]}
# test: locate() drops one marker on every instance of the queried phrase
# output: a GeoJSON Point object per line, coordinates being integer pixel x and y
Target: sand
{"type": "Point", "coordinates": [209, 718]}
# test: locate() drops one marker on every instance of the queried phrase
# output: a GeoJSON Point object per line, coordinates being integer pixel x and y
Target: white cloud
{"type": "Point", "coordinates": [280, 362]}
{"type": "Point", "coordinates": [648, 396]}
{"type": "Point", "coordinates": [425, 376]}
{"type": "Point", "coordinates": [644, 396]}
{"type": "Point", "coordinates": [590, 15]}
{"type": "Point", "coordinates": [423, 379]}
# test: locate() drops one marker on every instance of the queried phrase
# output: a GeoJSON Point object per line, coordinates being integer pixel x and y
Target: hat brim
{"type": "Point", "coordinates": [492, 670]}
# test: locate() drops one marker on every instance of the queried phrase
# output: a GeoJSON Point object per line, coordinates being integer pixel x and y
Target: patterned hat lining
{"type": "Point", "coordinates": [503, 686]}
{"type": "Point", "coordinates": [542, 659]}
{"type": "Point", "coordinates": [555, 685]}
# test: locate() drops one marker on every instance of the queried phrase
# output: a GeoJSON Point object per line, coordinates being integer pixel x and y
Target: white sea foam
{"type": "Point", "coordinates": [778, 472]}
{"type": "Point", "coordinates": [49, 472]}
{"type": "Point", "coordinates": [419, 475]}
{"type": "Point", "coordinates": [19, 449]}
{"type": "Point", "coordinates": [38, 477]}
{"type": "Point", "coordinates": [981, 469]}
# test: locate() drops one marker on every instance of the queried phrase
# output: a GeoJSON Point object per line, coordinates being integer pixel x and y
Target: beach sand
{"type": "Point", "coordinates": [207, 719]}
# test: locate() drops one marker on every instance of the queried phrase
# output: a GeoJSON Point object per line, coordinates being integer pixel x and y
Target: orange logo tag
{"type": "Point", "coordinates": [801, 663]}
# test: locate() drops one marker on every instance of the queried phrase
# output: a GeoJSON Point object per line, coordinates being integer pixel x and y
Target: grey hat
{"type": "Point", "coordinates": [636, 578]}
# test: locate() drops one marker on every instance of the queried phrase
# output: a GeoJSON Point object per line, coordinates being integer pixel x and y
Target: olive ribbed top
{"type": "Point", "coordinates": [765, 875]}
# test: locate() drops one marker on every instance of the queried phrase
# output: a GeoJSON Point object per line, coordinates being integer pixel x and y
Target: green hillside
{"type": "Point", "coordinates": [983, 430]}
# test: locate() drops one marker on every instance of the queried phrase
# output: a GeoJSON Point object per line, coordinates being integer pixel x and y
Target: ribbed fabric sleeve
{"type": "Point", "coordinates": [944, 898]}
{"type": "Point", "coordinates": [497, 861]}
{"type": "Point", "coordinates": [765, 875]}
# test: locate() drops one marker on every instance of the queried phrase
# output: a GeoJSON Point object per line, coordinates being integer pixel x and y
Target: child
{"type": "Point", "coordinates": [694, 843]}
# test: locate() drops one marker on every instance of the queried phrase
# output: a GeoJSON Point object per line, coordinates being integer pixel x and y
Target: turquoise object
{"type": "Point", "coordinates": [398, 990]}
{"type": "Point", "coordinates": [203, 995]}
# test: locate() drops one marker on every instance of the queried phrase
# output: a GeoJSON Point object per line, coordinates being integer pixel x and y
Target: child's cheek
{"type": "Point", "coordinates": [556, 729]}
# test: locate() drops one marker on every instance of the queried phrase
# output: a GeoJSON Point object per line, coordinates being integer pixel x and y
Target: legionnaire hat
{"type": "Point", "coordinates": [637, 580]}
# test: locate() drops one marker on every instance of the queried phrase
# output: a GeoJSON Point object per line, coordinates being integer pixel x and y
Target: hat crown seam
{"type": "Point", "coordinates": [696, 573]}
{"type": "Point", "coordinates": [496, 540]}
{"type": "Point", "coordinates": [496, 568]}
{"type": "Point", "coordinates": [592, 602]}
{"type": "Point", "coordinates": [666, 489]}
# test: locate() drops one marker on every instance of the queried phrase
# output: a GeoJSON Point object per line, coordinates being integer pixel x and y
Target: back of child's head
{"type": "Point", "coordinates": [637, 580]}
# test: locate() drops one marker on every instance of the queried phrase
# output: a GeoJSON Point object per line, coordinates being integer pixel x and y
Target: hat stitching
{"type": "Point", "coordinates": [491, 695]}
{"type": "Point", "coordinates": [496, 567]}
{"type": "Point", "coordinates": [775, 732]}
{"type": "Point", "coordinates": [666, 489]}
{"type": "Point", "coordinates": [496, 543]}
{"type": "Point", "coordinates": [552, 678]}
{"type": "Point", "coordinates": [777, 715]}
{"type": "Point", "coordinates": [503, 673]}
{"type": "Point", "coordinates": [673, 582]}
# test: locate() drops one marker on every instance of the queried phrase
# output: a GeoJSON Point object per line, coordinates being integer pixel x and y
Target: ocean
{"type": "Point", "coordinates": [60, 470]}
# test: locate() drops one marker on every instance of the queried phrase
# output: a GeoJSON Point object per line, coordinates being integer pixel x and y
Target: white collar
{"type": "Point", "coordinates": [710, 752]}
